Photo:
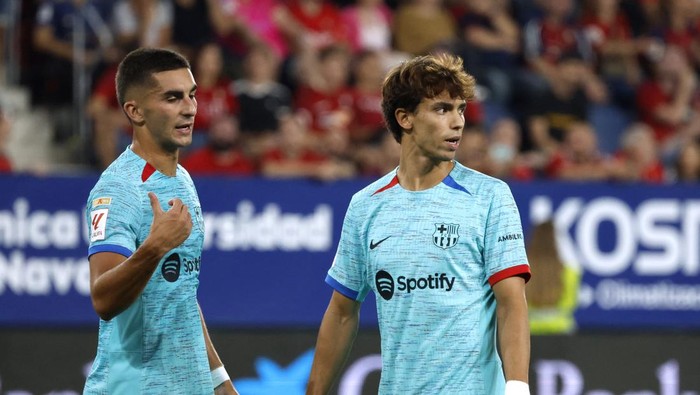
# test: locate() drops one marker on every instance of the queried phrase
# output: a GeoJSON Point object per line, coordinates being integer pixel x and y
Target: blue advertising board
{"type": "Point", "coordinates": [269, 244]}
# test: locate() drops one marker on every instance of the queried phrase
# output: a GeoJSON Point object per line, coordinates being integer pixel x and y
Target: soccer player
{"type": "Point", "coordinates": [146, 235]}
{"type": "Point", "coordinates": [440, 245]}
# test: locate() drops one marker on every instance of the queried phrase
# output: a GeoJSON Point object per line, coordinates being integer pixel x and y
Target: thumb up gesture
{"type": "Point", "coordinates": [169, 228]}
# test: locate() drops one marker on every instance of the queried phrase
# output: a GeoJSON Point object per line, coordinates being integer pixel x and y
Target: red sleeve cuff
{"type": "Point", "coordinates": [520, 270]}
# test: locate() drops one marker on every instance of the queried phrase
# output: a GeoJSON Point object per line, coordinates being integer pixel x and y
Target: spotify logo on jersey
{"type": "Point", "coordinates": [385, 284]}
{"type": "Point", "coordinates": [432, 282]}
{"type": "Point", "coordinates": [171, 267]}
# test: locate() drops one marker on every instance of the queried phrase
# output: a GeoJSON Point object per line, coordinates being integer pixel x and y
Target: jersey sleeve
{"type": "Point", "coordinates": [504, 247]}
{"type": "Point", "coordinates": [113, 214]}
{"type": "Point", "coordinates": [347, 275]}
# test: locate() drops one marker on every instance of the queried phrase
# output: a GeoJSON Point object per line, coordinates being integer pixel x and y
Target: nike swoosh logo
{"type": "Point", "coordinates": [373, 245]}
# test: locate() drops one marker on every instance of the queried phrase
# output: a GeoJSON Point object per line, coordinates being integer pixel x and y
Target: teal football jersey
{"type": "Point", "coordinates": [155, 346]}
{"type": "Point", "coordinates": [431, 258]}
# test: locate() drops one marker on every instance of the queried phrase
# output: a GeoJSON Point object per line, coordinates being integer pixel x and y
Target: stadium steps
{"type": "Point", "coordinates": [31, 147]}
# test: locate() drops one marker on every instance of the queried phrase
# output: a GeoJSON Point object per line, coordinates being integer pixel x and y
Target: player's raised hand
{"type": "Point", "coordinates": [169, 228]}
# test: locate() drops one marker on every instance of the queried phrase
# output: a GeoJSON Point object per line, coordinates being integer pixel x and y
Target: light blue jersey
{"type": "Point", "coordinates": [431, 258]}
{"type": "Point", "coordinates": [156, 346]}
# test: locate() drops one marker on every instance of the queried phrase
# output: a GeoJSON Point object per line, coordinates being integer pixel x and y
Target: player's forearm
{"type": "Point", "coordinates": [335, 339]}
{"type": "Point", "coordinates": [514, 339]}
{"type": "Point", "coordinates": [215, 362]}
{"type": "Point", "coordinates": [212, 355]}
{"type": "Point", "coordinates": [116, 289]}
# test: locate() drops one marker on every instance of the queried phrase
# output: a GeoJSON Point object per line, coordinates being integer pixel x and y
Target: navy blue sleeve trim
{"type": "Point", "coordinates": [341, 288]}
{"type": "Point", "coordinates": [449, 181]}
{"type": "Point", "coordinates": [109, 248]}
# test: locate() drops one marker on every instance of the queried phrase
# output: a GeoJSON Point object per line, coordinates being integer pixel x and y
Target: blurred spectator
{"type": "Point", "coordinates": [144, 23]}
{"type": "Point", "coordinates": [560, 105]}
{"type": "Point", "coordinates": [58, 24]}
{"type": "Point", "coordinates": [669, 102]}
{"type": "Point", "coordinates": [111, 132]}
{"type": "Point", "coordinates": [506, 161]}
{"type": "Point", "coordinates": [369, 25]}
{"type": "Point", "coordinates": [5, 126]}
{"type": "Point", "coordinates": [241, 24]}
{"type": "Point", "coordinates": [214, 94]}
{"type": "Point", "coordinates": [367, 125]}
{"type": "Point", "coordinates": [547, 40]}
{"type": "Point", "coordinates": [222, 155]}
{"type": "Point", "coordinates": [4, 22]}
{"type": "Point", "coordinates": [294, 158]}
{"type": "Point", "coordinates": [422, 25]}
{"type": "Point", "coordinates": [680, 27]}
{"type": "Point", "coordinates": [325, 98]}
{"type": "Point", "coordinates": [649, 15]}
{"type": "Point", "coordinates": [379, 159]}
{"type": "Point", "coordinates": [473, 150]}
{"type": "Point", "coordinates": [319, 24]}
{"type": "Point", "coordinates": [192, 25]}
{"type": "Point", "coordinates": [578, 158]}
{"type": "Point", "coordinates": [688, 163]}
{"type": "Point", "coordinates": [262, 100]}
{"type": "Point", "coordinates": [617, 51]}
{"type": "Point", "coordinates": [367, 129]}
{"type": "Point", "coordinates": [638, 158]}
{"type": "Point", "coordinates": [492, 46]}
{"type": "Point", "coordinates": [552, 293]}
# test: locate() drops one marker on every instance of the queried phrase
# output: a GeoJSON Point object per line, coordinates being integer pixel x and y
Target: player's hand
{"type": "Point", "coordinates": [169, 228]}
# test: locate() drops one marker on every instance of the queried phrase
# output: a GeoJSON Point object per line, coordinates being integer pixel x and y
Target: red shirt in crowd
{"type": "Point", "coordinates": [5, 165]}
{"type": "Point", "coordinates": [106, 87]}
{"type": "Point", "coordinates": [652, 173]}
{"type": "Point", "coordinates": [650, 97]}
{"type": "Point", "coordinates": [323, 107]}
{"type": "Point", "coordinates": [326, 26]}
{"type": "Point", "coordinates": [213, 102]}
{"type": "Point", "coordinates": [206, 161]}
{"type": "Point", "coordinates": [684, 38]}
{"type": "Point", "coordinates": [553, 41]}
{"type": "Point", "coordinates": [560, 161]}
{"type": "Point", "coordinates": [367, 120]}
{"type": "Point", "coordinates": [599, 32]}
{"type": "Point", "coordinates": [305, 157]}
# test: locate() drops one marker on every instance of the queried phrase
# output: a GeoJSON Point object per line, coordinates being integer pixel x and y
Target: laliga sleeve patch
{"type": "Point", "coordinates": [98, 224]}
{"type": "Point", "coordinates": [103, 201]}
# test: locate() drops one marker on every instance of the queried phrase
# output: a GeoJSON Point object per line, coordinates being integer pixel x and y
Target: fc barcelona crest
{"type": "Point", "coordinates": [446, 235]}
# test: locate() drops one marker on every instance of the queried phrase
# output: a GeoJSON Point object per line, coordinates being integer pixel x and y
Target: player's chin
{"type": "Point", "coordinates": [444, 157]}
{"type": "Point", "coordinates": [449, 152]}
{"type": "Point", "coordinates": [183, 140]}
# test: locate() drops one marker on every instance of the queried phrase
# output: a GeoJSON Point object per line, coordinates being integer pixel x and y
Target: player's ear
{"type": "Point", "coordinates": [133, 112]}
{"type": "Point", "coordinates": [404, 118]}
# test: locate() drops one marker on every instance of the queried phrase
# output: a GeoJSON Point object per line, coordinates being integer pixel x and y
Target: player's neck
{"type": "Point", "coordinates": [163, 161]}
{"type": "Point", "coordinates": [419, 175]}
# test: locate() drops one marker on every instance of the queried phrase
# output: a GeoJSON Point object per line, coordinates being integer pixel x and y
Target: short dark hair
{"type": "Point", "coordinates": [138, 66]}
{"type": "Point", "coordinates": [423, 77]}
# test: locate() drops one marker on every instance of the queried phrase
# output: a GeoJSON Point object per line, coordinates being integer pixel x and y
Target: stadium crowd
{"type": "Point", "coordinates": [571, 90]}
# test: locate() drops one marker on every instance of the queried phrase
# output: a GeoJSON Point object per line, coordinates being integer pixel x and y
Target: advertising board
{"type": "Point", "coordinates": [269, 244]}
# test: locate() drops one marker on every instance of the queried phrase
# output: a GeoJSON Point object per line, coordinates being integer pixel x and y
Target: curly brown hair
{"type": "Point", "coordinates": [423, 77]}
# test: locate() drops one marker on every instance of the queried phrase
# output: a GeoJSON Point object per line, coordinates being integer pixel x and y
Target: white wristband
{"type": "Point", "coordinates": [515, 387]}
{"type": "Point", "coordinates": [219, 376]}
